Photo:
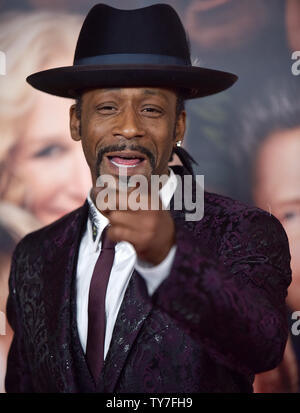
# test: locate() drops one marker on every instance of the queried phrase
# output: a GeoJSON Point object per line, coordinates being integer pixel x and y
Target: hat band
{"type": "Point", "coordinates": [131, 58]}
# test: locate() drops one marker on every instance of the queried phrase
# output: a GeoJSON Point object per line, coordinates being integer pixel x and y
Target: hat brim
{"type": "Point", "coordinates": [70, 81]}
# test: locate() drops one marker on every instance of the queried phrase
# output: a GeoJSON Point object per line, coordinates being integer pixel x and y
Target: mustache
{"type": "Point", "coordinates": [120, 148]}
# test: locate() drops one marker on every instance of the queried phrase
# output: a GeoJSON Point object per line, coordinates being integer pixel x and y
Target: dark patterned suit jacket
{"type": "Point", "coordinates": [218, 319]}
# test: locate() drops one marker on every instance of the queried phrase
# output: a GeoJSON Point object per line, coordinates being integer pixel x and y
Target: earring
{"type": "Point", "coordinates": [178, 143]}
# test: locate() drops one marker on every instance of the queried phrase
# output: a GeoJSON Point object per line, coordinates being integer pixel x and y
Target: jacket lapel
{"type": "Point", "coordinates": [61, 253]}
{"type": "Point", "coordinates": [135, 309]}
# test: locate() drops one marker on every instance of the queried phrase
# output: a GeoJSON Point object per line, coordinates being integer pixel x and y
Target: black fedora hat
{"type": "Point", "coordinates": [142, 47]}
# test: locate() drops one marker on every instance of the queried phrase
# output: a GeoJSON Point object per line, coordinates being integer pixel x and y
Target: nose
{"type": "Point", "coordinates": [128, 125]}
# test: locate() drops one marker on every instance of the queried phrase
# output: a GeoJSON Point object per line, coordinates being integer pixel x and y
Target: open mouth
{"type": "Point", "coordinates": [126, 160]}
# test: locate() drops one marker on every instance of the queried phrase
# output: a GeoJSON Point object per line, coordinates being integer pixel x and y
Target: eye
{"type": "Point", "coordinates": [49, 151]}
{"type": "Point", "coordinates": [152, 112]}
{"type": "Point", "coordinates": [289, 215]}
{"type": "Point", "coordinates": [106, 109]}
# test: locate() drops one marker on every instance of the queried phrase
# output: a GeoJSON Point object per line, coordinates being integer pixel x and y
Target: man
{"type": "Point", "coordinates": [190, 306]}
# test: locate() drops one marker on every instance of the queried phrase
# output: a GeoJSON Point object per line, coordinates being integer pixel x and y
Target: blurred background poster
{"type": "Point", "coordinates": [246, 140]}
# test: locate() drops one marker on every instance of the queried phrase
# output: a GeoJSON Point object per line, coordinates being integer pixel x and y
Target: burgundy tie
{"type": "Point", "coordinates": [96, 310]}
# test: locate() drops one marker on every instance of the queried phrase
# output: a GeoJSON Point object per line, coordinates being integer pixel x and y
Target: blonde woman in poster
{"type": "Point", "coordinates": [43, 174]}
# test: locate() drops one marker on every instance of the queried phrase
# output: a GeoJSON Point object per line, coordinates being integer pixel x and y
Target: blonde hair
{"type": "Point", "coordinates": [31, 41]}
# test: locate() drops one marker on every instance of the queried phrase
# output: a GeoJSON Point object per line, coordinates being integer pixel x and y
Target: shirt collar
{"type": "Point", "coordinates": [97, 221]}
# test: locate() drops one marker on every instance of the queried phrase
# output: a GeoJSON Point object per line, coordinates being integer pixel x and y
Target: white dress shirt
{"type": "Point", "coordinates": [125, 262]}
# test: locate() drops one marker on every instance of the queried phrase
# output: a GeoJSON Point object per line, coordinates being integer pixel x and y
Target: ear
{"type": "Point", "coordinates": [74, 124]}
{"type": "Point", "coordinates": [180, 127]}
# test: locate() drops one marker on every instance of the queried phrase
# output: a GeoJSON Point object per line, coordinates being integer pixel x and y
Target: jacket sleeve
{"type": "Point", "coordinates": [17, 375]}
{"type": "Point", "coordinates": [233, 301]}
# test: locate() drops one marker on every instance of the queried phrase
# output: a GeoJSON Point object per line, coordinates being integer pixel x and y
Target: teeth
{"type": "Point", "coordinates": [126, 157]}
{"type": "Point", "coordinates": [121, 165]}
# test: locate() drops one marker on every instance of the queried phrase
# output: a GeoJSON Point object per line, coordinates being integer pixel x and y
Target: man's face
{"type": "Point", "coordinates": [128, 129]}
